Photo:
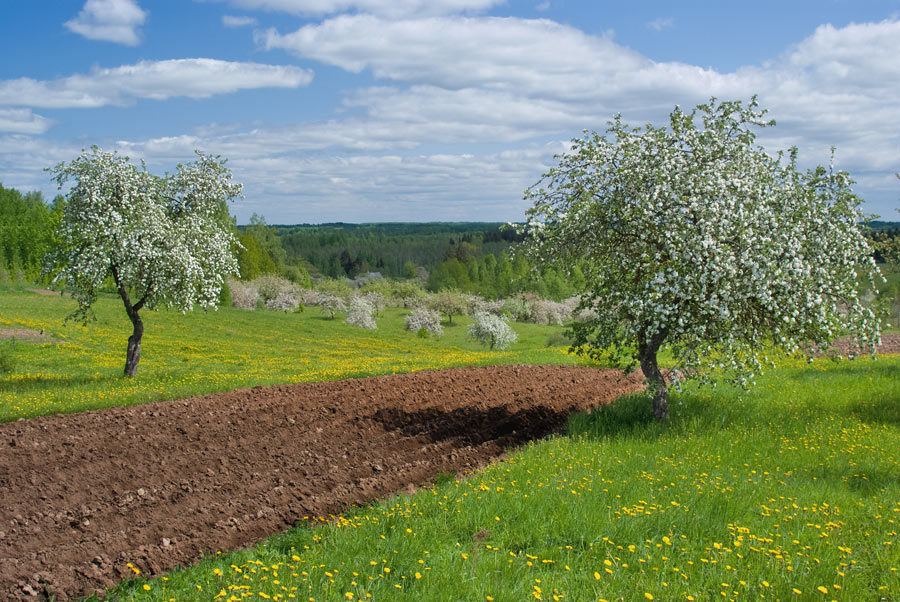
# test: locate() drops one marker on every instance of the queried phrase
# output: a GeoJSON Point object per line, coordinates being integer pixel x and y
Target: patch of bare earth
{"type": "Point", "coordinates": [26, 335]}
{"type": "Point", "coordinates": [81, 495]}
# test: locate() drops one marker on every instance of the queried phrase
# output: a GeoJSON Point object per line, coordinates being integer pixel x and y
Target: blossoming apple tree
{"type": "Point", "coordinates": [698, 239]}
{"type": "Point", "coordinates": [163, 240]}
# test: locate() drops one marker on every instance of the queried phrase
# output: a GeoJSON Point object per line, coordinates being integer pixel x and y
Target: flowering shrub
{"type": "Point", "coordinates": [331, 304]}
{"type": "Point", "coordinates": [492, 330]}
{"type": "Point", "coordinates": [271, 286]}
{"type": "Point", "coordinates": [698, 239]}
{"type": "Point", "coordinates": [243, 294]}
{"type": "Point", "coordinates": [376, 300]}
{"type": "Point", "coordinates": [544, 311]}
{"type": "Point", "coordinates": [285, 301]}
{"type": "Point", "coordinates": [425, 319]}
{"type": "Point", "coordinates": [361, 313]}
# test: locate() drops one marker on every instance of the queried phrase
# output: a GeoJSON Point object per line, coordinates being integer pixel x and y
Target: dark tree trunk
{"type": "Point", "coordinates": [647, 349]}
{"type": "Point", "coordinates": [133, 354]}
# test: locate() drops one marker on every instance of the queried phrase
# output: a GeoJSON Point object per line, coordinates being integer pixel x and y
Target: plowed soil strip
{"type": "Point", "coordinates": [81, 495]}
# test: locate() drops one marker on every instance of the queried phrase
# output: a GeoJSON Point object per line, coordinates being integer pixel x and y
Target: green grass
{"type": "Point", "coordinates": [788, 492]}
{"type": "Point", "coordinates": [204, 352]}
{"type": "Point", "coordinates": [790, 487]}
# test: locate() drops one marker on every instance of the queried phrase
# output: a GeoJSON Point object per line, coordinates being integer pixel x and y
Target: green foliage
{"type": "Point", "coordinates": [26, 233]}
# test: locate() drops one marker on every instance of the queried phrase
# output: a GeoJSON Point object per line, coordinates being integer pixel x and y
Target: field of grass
{"type": "Point", "coordinates": [204, 352]}
{"type": "Point", "coordinates": [788, 492]}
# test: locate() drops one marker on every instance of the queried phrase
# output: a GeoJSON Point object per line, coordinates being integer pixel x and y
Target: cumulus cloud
{"type": "Point", "coordinates": [536, 57]}
{"type": "Point", "coordinates": [237, 21]}
{"type": "Point", "coordinates": [159, 80]}
{"type": "Point", "coordinates": [23, 121]}
{"type": "Point", "coordinates": [481, 84]}
{"type": "Point", "coordinates": [109, 20]}
{"type": "Point", "coordinates": [384, 8]}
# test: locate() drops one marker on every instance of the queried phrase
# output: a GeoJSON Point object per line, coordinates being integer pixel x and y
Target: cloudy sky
{"type": "Point", "coordinates": [419, 110]}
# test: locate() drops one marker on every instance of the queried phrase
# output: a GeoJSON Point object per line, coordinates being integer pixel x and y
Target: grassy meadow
{"type": "Point", "coordinates": [204, 352]}
{"type": "Point", "coordinates": [789, 491]}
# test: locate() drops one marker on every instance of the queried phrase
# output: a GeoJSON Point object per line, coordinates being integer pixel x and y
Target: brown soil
{"type": "Point", "coordinates": [890, 343]}
{"type": "Point", "coordinates": [26, 335]}
{"type": "Point", "coordinates": [81, 495]}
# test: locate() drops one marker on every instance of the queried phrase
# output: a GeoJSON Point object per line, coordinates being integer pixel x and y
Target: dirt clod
{"type": "Point", "coordinates": [83, 495]}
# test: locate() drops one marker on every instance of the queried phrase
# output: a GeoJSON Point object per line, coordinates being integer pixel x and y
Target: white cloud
{"type": "Point", "coordinates": [483, 85]}
{"type": "Point", "coordinates": [23, 121]}
{"type": "Point", "coordinates": [238, 21]}
{"type": "Point", "coordinates": [661, 23]}
{"type": "Point", "coordinates": [194, 78]}
{"type": "Point", "coordinates": [542, 6]}
{"type": "Point", "coordinates": [109, 20]}
{"type": "Point", "coordinates": [384, 8]}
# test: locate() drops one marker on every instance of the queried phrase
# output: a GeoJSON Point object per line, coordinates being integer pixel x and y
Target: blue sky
{"type": "Point", "coordinates": [419, 110]}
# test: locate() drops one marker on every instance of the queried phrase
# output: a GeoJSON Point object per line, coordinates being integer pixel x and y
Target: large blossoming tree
{"type": "Point", "coordinates": [698, 239]}
{"type": "Point", "coordinates": [163, 240]}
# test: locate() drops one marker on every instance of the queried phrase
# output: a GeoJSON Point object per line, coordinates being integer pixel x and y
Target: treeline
{"type": "Point", "coordinates": [396, 250]}
{"type": "Point", "coordinates": [27, 224]}
{"type": "Point", "coordinates": [474, 257]}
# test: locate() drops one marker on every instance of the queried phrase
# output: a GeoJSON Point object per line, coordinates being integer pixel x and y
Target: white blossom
{"type": "Point", "coordinates": [492, 330]}
{"type": "Point", "coordinates": [164, 240]}
{"type": "Point", "coordinates": [696, 238]}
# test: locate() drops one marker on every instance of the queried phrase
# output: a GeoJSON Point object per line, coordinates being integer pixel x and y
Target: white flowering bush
{"type": "Point", "coordinates": [361, 313]}
{"type": "Point", "coordinates": [285, 301]}
{"type": "Point", "coordinates": [376, 300]}
{"type": "Point", "coordinates": [544, 311]}
{"type": "Point", "coordinates": [696, 238]}
{"type": "Point", "coordinates": [271, 286]}
{"type": "Point", "coordinates": [331, 304]}
{"type": "Point", "coordinates": [244, 295]}
{"type": "Point", "coordinates": [479, 305]}
{"type": "Point", "coordinates": [164, 240]}
{"type": "Point", "coordinates": [425, 319]}
{"type": "Point", "coordinates": [492, 330]}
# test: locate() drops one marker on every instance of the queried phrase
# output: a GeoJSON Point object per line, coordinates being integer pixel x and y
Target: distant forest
{"type": "Point", "coordinates": [470, 256]}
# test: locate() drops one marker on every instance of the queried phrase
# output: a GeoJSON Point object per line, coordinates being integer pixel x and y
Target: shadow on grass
{"type": "Point", "coordinates": [880, 410]}
{"type": "Point", "coordinates": [628, 416]}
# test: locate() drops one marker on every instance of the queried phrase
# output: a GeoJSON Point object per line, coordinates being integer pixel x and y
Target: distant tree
{"type": "Point", "coordinates": [164, 240]}
{"type": "Point", "coordinates": [361, 313]}
{"type": "Point", "coordinates": [695, 238]}
{"type": "Point", "coordinates": [492, 330]}
{"type": "Point", "coordinates": [448, 302]}
{"type": "Point", "coordinates": [425, 319]}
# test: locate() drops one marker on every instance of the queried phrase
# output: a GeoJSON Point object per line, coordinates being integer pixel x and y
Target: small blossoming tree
{"type": "Point", "coordinates": [164, 241]}
{"type": "Point", "coordinates": [698, 239]}
{"type": "Point", "coordinates": [492, 330]}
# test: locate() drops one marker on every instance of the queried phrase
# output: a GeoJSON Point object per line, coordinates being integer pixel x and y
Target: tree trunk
{"type": "Point", "coordinates": [656, 382]}
{"type": "Point", "coordinates": [133, 355]}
